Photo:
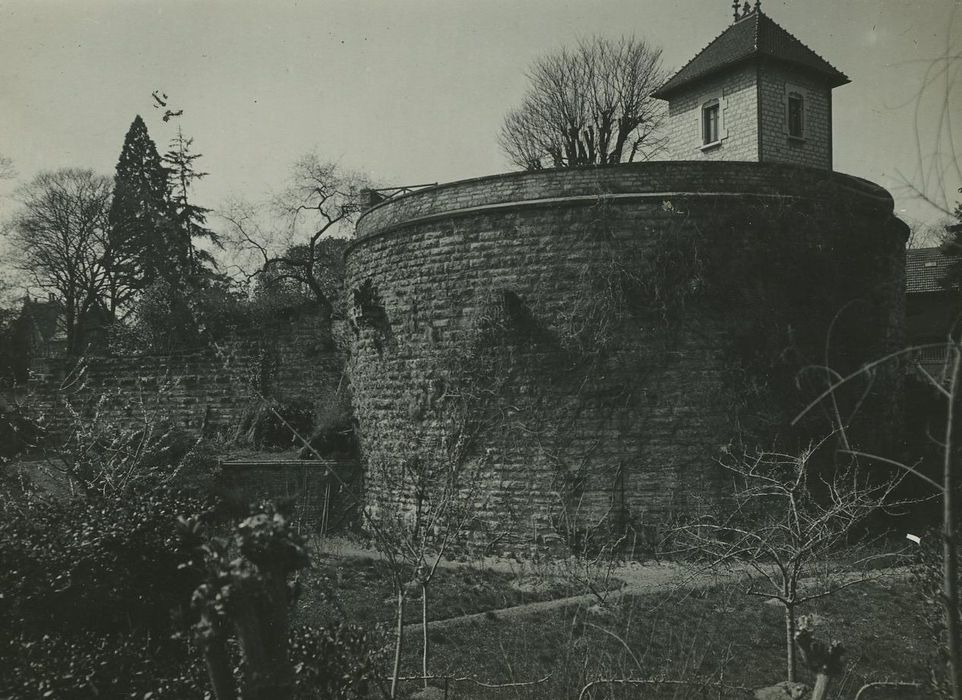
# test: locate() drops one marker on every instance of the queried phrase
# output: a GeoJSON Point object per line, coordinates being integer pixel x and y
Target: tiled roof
{"type": "Point", "coordinates": [755, 35]}
{"type": "Point", "coordinates": [924, 270]}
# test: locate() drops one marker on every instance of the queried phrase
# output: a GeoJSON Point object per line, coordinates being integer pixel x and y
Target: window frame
{"type": "Point", "coordinates": [796, 114]}
{"type": "Point", "coordinates": [797, 93]}
{"type": "Point", "coordinates": [709, 107]}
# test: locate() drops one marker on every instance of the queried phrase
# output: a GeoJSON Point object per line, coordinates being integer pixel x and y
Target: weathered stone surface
{"type": "Point", "coordinates": [200, 392]}
{"type": "Point", "coordinates": [754, 122]}
{"type": "Point", "coordinates": [593, 402]}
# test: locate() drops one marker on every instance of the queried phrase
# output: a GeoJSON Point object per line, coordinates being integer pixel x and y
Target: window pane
{"type": "Point", "coordinates": [795, 114]}
{"type": "Point", "coordinates": [710, 124]}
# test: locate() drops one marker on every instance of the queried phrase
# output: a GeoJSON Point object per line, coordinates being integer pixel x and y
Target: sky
{"type": "Point", "coordinates": [414, 91]}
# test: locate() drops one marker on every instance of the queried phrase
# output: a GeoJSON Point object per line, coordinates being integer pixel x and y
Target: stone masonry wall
{"type": "Point", "coordinates": [551, 333]}
{"type": "Point", "coordinates": [198, 392]}
{"type": "Point", "coordinates": [654, 180]}
{"type": "Point", "coordinates": [815, 149]}
{"type": "Point", "coordinates": [754, 123]}
{"type": "Point", "coordinates": [738, 96]}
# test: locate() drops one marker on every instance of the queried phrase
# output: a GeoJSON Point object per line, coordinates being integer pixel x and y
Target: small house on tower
{"type": "Point", "coordinates": [755, 93]}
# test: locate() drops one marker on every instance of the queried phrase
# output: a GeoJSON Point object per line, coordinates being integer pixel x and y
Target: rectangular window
{"type": "Point", "coordinates": [709, 119]}
{"type": "Point", "coordinates": [796, 115]}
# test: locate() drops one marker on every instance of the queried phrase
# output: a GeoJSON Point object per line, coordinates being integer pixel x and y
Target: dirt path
{"type": "Point", "coordinates": [650, 573]}
{"type": "Point", "coordinates": [587, 600]}
{"type": "Point", "coordinates": [639, 579]}
{"type": "Point", "coordinates": [658, 583]}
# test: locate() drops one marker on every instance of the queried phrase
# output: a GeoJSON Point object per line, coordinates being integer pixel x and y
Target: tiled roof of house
{"type": "Point", "coordinates": [924, 270]}
{"type": "Point", "coordinates": [754, 35]}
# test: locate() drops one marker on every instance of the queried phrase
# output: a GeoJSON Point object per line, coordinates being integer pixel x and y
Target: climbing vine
{"type": "Point", "coordinates": [600, 337]}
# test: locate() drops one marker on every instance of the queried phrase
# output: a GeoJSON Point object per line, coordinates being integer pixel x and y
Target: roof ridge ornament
{"type": "Point", "coordinates": [757, 37]}
{"type": "Point", "coordinates": [746, 9]}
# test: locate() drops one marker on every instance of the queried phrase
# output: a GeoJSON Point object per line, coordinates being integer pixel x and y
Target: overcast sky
{"type": "Point", "coordinates": [414, 91]}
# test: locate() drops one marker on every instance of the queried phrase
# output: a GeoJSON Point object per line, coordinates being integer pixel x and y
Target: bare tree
{"type": "Point", "coordinates": [786, 517]}
{"type": "Point", "coordinates": [590, 105]}
{"type": "Point", "coordinates": [59, 235]}
{"type": "Point", "coordinates": [948, 386]}
{"type": "Point", "coordinates": [320, 202]}
{"type": "Point", "coordinates": [927, 235]}
{"type": "Point", "coordinates": [938, 169]}
{"type": "Point", "coordinates": [433, 512]}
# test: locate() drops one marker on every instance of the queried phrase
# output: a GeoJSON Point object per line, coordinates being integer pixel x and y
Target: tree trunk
{"type": "Point", "coordinates": [820, 691]}
{"type": "Point", "coordinates": [218, 665]}
{"type": "Point", "coordinates": [255, 684]}
{"type": "Point", "coordinates": [251, 639]}
{"type": "Point", "coordinates": [262, 629]}
{"type": "Point", "coordinates": [398, 640]}
{"type": "Point", "coordinates": [424, 633]}
{"type": "Point", "coordinates": [277, 629]}
{"type": "Point", "coordinates": [324, 304]}
{"type": "Point", "coordinates": [790, 640]}
{"type": "Point", "coordinates": [950, 565]}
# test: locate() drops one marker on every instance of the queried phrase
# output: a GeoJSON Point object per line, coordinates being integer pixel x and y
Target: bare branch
{"type": "Point", "coordinates": [585, 105]}
{"type": "Point", "coordinates": [790, 512]}
{"type": "Point", "coordinates": [287, 237]}
{"type": "Point", "coordinates": [60, 236]}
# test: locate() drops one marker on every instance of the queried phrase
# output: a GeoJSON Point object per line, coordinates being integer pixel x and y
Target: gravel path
{"type": "Point", "coordinates": [655, 580]}
{"type": "Point", "coordinates": [639, 579]}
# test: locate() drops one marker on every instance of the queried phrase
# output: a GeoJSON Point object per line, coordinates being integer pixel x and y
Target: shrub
{"type": "Point", "coordinates": [98, 563]}
{"type": "Point", "coordinates": [338, 662]}
{"type": "Point", "coordinates": [19, 429]}
{"type": "Point", "coordinates": [333, 434]}
{"type": "Point", "coordinates": [83, 664]}
{"type": "Point", "coordinates": [269, 423]}
{"type": "Point", "coordinates": [174, 318]}
{"type": "Point", "coordinates": [928, 575]}
{"type": "Point", "coordinates": [94, 600]}
{"type": "Point", "coordinates": [86, 597]}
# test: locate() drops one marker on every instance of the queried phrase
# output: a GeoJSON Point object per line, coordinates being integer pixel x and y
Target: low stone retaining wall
{"type": "Point", "coordinates": [324, 494]}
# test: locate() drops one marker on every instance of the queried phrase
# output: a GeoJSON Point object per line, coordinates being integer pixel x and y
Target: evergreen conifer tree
{"type": "Point", "coordinates": [161, 278]}
{"type": "Point", "coordinates": [141, 219]}
{"type": "Point", "coordinates": [190, 220]}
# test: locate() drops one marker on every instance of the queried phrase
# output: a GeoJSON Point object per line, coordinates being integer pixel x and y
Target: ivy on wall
{"type": "Point", "coordinates": [608, 305]}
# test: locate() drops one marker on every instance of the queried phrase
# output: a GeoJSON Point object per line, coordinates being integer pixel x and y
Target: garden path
{"type": "Point", "coordinates": [638, 578]}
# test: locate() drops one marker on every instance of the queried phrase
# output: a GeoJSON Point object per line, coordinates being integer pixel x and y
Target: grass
{"type": "Point", "coordinates": [361, 590]}
{"type": "Point", "coordinates": [717, 634]}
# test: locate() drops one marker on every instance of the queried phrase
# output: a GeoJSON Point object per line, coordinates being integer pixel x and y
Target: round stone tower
{"type": "Point", "coordinates": [583, 344]}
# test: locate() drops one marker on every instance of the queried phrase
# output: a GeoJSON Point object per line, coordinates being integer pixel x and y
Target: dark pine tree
{"type": "Point", "coordinates": [141, 220]}
{"type": "Point", "coordinates": [190, 220]}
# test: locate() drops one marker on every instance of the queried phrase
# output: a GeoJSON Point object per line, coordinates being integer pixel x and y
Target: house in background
{"type": "Point", "coordinates": [41, 327]}
{"type": "Point", "coordinates": [931, 308]}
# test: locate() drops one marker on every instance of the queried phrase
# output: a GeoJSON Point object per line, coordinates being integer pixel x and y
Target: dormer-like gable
{"type": "Point", "coordinates": [755, 93]}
